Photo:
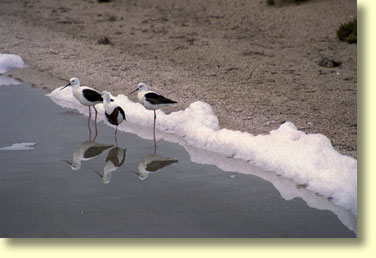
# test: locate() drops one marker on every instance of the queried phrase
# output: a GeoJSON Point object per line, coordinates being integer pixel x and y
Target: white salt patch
{"type": "Point", "coordinates": [307, 159]}
{"type": "Point", "coordinates": [5, 80]}
{"type": "Point", "coordinates": [19, 146]}
{"type": "Point", "coordinates": [9, 62]}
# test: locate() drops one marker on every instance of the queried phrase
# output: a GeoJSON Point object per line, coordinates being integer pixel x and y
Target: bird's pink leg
{"type": "Point", "coordinates": [89, 113]}
{"type": "Point", "coordinates": [88, 124]}
{"type": "Point", "coordinates": [96, 113]}
{"type": "Point", "coordinates": [155, 143]}
{"type": "Point", "coordinates": [95, 121]}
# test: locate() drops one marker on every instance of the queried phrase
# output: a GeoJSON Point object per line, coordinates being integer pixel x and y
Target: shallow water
{"type": "Point", "coordinates": [42, 196]}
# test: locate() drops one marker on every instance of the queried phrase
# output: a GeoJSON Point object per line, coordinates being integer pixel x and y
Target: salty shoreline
{"type": "Point", "coordinates": [252, 63]}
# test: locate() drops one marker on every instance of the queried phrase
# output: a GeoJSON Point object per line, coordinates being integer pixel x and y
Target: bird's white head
{"type": "Point", "coordinates": [141, 87]}
{"type": "Point", "coordinates": [72, 82]}
{"type": "Point", "coordinates": [106, 96]}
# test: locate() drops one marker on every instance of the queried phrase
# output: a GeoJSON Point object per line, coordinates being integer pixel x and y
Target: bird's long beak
{"type": "Point", "coordinates": [134, 91]}
{"type": "Point", "coordinates": [65, 86]}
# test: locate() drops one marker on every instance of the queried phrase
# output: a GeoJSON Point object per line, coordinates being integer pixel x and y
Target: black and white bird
{"type": "Point", "coordinates": [85, 95]}
{"type": "Point", "coordinates": [115, 114]}
{"type": "Point", "coordinates": [151, 100]}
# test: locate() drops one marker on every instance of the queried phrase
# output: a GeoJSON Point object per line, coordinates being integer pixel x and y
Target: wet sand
{"type": "Point", "coordinates": [42, 196]}
{"type": "Point", "coordinates": [256, 65]}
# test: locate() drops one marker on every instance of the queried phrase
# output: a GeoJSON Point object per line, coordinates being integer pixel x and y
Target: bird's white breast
{"type": "Point", "coordinates": [108, 107]}
{"type": "Point", "coordinates": [141, 96]}
{"type": "Point", "coordinates": [77, 93]}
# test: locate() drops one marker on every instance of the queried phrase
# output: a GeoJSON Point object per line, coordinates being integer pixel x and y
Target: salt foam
{"type": "Point", "coordinates": [9, 62]}
{"type": "Point", "coordinates": [19, 146]}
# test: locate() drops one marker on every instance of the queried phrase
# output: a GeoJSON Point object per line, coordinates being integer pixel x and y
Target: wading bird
{"type": "Point", "coordinates": [115, 114]}
{"type": "Point", "coordinates": [86, 96]}
{"type": "Point", "coordinates": [151, 100]}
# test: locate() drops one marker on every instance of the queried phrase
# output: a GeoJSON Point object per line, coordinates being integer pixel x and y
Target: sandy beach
{"type": "Point", "coordinates": [256, 65]}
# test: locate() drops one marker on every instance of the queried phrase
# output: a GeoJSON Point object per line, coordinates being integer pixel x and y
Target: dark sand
{"type": "Point", "coordinates": [256, 65]}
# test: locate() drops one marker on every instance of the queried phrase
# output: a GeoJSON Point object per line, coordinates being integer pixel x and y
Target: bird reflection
{"type": "Point", "coordinates": [86, 151]}
{"type": "Point", "coordinates": [115, 159]}
{"type": "Point", "coordinates": [152, 163]}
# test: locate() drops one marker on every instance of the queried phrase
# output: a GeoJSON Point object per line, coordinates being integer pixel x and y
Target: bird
{"type": "Point", "coordinates": [85, 95]}
{"type": "Point", "coordinates": [86, 151]}
{"type": "Point", "coordinates": [115, 114]}
{"type": "Point", "coordinates": [151, 100]}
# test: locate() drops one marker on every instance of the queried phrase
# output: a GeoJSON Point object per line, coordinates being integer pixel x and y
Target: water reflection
{"type": "Point", "coordinates": [86, 151]}
{"type": "Point", "coordinates": [287, 188]}
{"type": "Point", "coordinates": [115, 159]}
{"type": "Point", "coordinates": [152, 163]}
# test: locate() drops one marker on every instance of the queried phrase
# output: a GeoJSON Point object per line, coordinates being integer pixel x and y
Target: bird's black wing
{"type": "Point", "coordinates": [112, 118]}
{"type": "Point", "coordinates": [155, 99]}
{"type": "Point", "coordinates": [92, 95]}
{"type": "Point", "coordinates": [121, 112]}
